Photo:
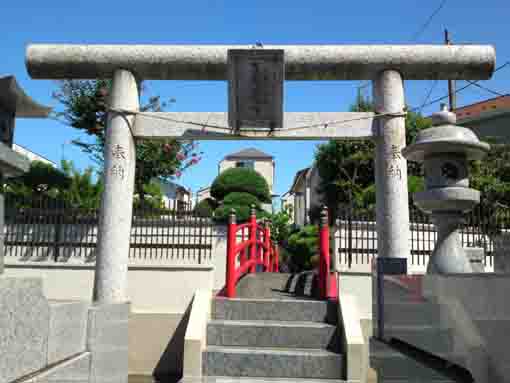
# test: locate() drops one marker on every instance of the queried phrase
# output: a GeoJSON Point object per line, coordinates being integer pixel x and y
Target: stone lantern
{"type": "Point", "coordinates": [445, 150]}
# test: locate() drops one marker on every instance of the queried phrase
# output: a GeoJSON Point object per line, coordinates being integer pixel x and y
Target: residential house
{"type": "Point", "coordinates": [254, 159]}
{"type": "Point", "coordinates": [176, 196]}
{"type": "Point", "coordinates": [305, 194]}
{"type": "Point", "coordinates": [203, 193]}
{"type": "Point", "coordinates": [287, 203]}
{"type": "Point", "coordinates": [489, 119]}
{"type": "Point", "coordinates": [250, 158]}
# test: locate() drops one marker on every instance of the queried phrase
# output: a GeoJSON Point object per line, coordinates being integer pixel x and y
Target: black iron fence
{"type": "Point", "coordinates": [47, 229]}
{"type": "Point", "coordinates": [356, 234]}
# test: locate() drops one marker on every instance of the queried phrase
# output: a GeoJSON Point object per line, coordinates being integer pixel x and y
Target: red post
{"type": "Point", "coordinates": [253, 238]}
{"type": "Point", "coordinates": [267, 244]}
{"type": "Point", "coordinates": [276, 259]}
{"type": "Point", "coordinates": [230, 281]}
{"type": "Point", "coordinates": [242, 255]}
{"type": "Point", "coordinates": [324, 254]}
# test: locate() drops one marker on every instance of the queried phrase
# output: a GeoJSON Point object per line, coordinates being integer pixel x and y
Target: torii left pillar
{"type": "Point", "coordinates": [110, 283]}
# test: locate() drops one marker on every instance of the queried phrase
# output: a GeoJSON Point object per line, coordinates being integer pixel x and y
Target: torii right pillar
{"type": "Point", "coordinates": [393, 232]}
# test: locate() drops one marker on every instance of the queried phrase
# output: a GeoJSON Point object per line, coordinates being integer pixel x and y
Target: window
{"type": "Point", "coordinates": [245, 164]}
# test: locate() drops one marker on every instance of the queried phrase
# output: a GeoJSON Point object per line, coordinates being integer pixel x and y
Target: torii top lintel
{"type": "Point", "coordinates": [302, 62]}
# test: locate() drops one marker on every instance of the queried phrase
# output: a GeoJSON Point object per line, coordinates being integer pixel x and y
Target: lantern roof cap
{"type": "Point", "coordinates": [445, 138]}
{"type": "Point", "coordinates": [14, 100]}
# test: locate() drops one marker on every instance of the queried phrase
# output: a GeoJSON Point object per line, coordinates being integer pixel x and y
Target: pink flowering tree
{"type": "Point", "coordinates": [84, 106]}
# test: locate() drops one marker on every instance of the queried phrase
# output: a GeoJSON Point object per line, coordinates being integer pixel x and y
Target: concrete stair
{"type": "Point", "coordinates": [231, 379]}
{"type": "Point", "coordinates": [274, 309]}
{"type": "Point", "coordinates": [394, 366]}
{"type": "Point", "coordinates": [267, 362]}
{"type": "Point", "coordinates": [272, 334]}
{"type": "Point", "coordinates": [422, 347]}
{"type": "Point", "coordinates": [280, 337]}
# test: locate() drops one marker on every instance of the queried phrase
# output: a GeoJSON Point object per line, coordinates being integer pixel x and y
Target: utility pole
{"type": "Point", "coordinates": [360, 87]}
{"type": "Point", "coordinates": [451, 83]}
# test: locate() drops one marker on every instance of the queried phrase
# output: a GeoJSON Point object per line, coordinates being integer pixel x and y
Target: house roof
{"type": "Point", "coordinates": [300, 173]}
{"type": "Point", "coordinates": [482, 108]}
{"type": "Point", "coordinates": [249, 153]}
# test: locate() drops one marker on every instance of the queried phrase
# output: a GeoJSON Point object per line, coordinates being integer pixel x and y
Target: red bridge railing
{"type": "Point", "coordinates": [327, 279]}
{"type": "Point", "coordinates": [254, 248]}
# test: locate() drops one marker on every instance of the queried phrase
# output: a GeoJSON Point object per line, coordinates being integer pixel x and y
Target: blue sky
{"type": "Point", "coordinates": [243, 22]}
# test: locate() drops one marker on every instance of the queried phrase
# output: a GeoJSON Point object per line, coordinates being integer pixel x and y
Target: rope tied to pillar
{"type": "Point", "coordinates": [204, 125]}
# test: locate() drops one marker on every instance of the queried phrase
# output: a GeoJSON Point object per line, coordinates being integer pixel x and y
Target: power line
{"type": "Point", "coordinates": [470, 83]}
{"type": "Point", "coordinates": [428, 21]}
{"type": "Point", "coordinates": [494, 92]}
{"type": "Point", "coordinates": [428, 95]}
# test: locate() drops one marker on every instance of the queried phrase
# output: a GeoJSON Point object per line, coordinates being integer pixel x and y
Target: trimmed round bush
{"type": "Point", "coordinates": [242, 180]}
{"type": "Point", "coordinates": [241, 203]}
{"type": "Point", "coordinates": [241, 199]}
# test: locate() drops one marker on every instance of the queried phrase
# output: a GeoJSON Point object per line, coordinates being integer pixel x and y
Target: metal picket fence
{"type": "Point", "coordinates": [356, 234]}
{"type": "Point", "coordinates": [49, 229]}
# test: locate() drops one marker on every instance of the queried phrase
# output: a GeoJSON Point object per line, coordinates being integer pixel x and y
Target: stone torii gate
{"type": "Point", "coordinates": [386, 65]}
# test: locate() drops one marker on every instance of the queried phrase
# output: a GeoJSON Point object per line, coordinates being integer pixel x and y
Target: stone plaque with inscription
{"type": "Point", "coordinates": [255, 88]}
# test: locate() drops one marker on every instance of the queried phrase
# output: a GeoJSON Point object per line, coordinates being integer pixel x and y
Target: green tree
{"type": "Point", "coordinates": [84, 106]}
{"type": "Point", "coordinates": [492, 177]}
{"type": "Point", "coordinates": [205, 208]}
{"type": "Point", "coordinates": [303, 245]}
{"type": "Point", "coordinates": [42, 179]}
{"type": "Point", "coordinates": [82, 191]}
{"type": "Point", "coordinates": [346, 168]}
{"type": "Point", "coordinates": [280, 226]}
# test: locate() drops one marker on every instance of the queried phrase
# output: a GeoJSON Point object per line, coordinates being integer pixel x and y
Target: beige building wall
{"type": "Point", "coordinates": [203, 194]}
{"type": "Point", "coordinates": [264, 167]}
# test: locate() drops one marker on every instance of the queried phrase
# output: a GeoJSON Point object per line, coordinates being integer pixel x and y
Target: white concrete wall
{"type": "Point", "coordinates": [358, 285]}
{"type": "Point", "coordinates": [264, 167]}
{"type": "Point", "coordinates": [150, 289]}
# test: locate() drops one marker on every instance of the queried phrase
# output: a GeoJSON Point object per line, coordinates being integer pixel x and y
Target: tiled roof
{"type": "Point", "coordinates": [480, 108]}
{"type": "Point", "coordinates": [250, 153]}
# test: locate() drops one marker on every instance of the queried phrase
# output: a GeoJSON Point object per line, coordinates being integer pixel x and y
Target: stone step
{"type": "Point", "coordinates": [275, 310]}
{"type": "Point", "coordinates": [411, 314]}
{"type": "Point", "coordinates": [393, 366]}
{"type": "Point", "coordinates": [415, 380]}
{"type": "Point", "coordinates": [276, 363]}
{"type": "Point", "coordinates": [274, 334]}
{"type": "Point", "coordinates": [278, 285]}
{"type": "Point", "coordinates": [250, 379]}
{"type": "Point", "coordinates": [428, 338]}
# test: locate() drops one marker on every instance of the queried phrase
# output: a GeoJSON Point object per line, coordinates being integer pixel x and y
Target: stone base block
{"type": "Point", "coordinates": [107, 340]}
{"type": "Point", "coordinates": [24, 324]}
{"type": "Point", "coordinates": [68, 329]}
